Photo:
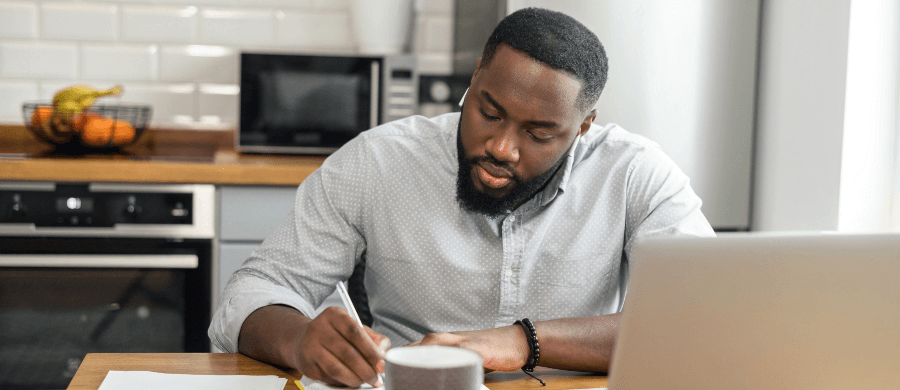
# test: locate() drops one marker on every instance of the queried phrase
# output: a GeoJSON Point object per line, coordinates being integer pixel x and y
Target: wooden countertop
{"type": "Point", "coordinates": [160, 156]}
{"type": "Point", "coordinates": [96, 365]}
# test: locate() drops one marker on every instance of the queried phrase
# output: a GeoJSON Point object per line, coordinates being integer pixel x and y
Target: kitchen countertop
{"type": "Point", "coordinates": [159, 156]}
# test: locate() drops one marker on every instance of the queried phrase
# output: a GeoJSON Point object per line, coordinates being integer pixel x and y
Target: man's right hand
{"type": "Point", "coordinates": [336, 350]}
{"type": "Point", "coordinates": [331, 348]}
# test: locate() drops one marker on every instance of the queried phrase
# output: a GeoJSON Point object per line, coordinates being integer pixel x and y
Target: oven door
{"type": "Point", "coordinates": [61, 298]}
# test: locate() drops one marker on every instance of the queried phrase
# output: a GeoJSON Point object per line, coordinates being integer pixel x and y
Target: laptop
{"type": "Point", "coordinates": [762, 311]}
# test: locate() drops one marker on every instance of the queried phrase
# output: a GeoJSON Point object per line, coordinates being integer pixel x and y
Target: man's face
{"type": "Point", "coordinates": [518, 121]}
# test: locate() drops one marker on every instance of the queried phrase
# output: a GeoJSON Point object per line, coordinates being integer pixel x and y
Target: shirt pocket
{"type": "Point", "coordinates": [569, 270]}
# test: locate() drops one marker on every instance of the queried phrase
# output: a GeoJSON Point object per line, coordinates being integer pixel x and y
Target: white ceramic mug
{"type": "Point", "coordinates": [432, 368]}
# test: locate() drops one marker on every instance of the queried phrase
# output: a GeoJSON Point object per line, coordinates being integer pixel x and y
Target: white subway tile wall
{"type": "Point", "coordinates": [181, 57]}
{"type": "Point", "coordinates": [163, 24]}
{"type": "Point", "coordinates": [219, 102]}
{"type": "Point", "coordinates": [199, 63]}
{"type": "Point", "coordinates": [19, 91]}
{"type": "Point", "coordinates": [173, 104]}
{"type": "Point", "coordinates": [80, 21]}
{"type": "Point", "coordinates": [38, 60]}
{"type": "Point", "coordinates": [18, 20]}
{"type": "Point", "coordinates": [119, 62]}
{"type": "Point", "coordinates": [324, 31]}
{"type": "Point", "coordinates": [237, 27]}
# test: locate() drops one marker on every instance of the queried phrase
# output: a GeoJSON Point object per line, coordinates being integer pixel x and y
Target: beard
{"type": "Point", "coordinates": [473, 200]}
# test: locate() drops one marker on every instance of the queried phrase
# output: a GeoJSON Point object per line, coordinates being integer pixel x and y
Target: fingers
{"type": "Point", "coordinates": [359, 359]}
{"type": "Point", "coordinates": [359, 338]}
{"type": "Point", "coordinates": [340, 350]}
{"type": "Point", "coordinates": [334, 371]}
{"type": "Point", "coordinates": [384, 344]}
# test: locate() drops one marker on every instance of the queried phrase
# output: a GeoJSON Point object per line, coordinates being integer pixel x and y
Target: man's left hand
{"type": "Point", "coordinates": [503, 349]}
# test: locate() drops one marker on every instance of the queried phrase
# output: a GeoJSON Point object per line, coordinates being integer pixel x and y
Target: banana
{"type": "Point", "coordinates": [73, 100]}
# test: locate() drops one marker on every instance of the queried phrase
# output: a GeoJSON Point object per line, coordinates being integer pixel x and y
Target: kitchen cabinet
{"type": "Point", "coordinates": [247, 215]}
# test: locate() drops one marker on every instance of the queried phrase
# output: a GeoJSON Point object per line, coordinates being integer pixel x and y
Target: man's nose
{"type": "Point", "coordinates": [503, 146]}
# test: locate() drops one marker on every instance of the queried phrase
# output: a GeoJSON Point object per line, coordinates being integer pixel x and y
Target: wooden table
{"type": "Point", "coordinates": [95, 366]}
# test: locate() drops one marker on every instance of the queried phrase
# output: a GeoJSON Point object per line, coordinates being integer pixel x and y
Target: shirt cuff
{"type": "Point", "coordinates": [244, 295]}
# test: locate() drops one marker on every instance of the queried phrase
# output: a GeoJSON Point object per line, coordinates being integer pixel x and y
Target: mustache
{"type": "Point", "coordinates": [493, 161]}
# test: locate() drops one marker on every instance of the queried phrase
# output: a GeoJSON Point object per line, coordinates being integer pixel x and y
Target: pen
{"type": "Point", "coordinates": [348, 304]}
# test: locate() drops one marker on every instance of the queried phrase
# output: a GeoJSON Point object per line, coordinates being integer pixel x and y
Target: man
{"type": "Point", "coordinates": [518, 207]}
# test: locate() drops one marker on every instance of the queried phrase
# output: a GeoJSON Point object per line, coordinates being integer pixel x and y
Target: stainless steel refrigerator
{"type": "Point", "coordinates": [682, 73]}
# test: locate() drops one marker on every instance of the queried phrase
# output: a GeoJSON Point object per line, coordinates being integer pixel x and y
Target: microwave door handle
{"type": "Point", "coordinates": [98, 261]}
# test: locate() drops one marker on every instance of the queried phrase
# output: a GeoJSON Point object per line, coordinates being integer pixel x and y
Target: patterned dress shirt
{"type": "Point", "coordinates": [389, 196]}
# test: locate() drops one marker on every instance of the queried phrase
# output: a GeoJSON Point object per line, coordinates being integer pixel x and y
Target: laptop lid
{"type": "Point", "coordinates": [750, 311]}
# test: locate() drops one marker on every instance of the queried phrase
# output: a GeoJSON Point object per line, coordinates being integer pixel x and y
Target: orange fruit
{"type": "Point", "coordinates": [123, 133]}
{"type": "Point", "coordinates": [96, 130]}
{"type": "Point", "coordinates": [82, 119]}
{"type": "Point", "coordinates": [41, 115]}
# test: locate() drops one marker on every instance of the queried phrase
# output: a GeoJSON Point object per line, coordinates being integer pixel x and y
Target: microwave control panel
{"type": "Point", "coordinates": [400, 96]}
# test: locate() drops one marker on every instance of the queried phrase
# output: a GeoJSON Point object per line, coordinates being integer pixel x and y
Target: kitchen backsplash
{"type": "Point", "coordinates": [180, 56]}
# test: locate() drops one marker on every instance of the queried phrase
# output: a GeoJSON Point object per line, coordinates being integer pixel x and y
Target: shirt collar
{"type": "Point", "coordinates": [559, 181]}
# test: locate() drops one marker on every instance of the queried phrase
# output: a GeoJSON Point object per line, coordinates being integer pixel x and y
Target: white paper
{"type": "Point", "coordinates": [312, 384]}
{"type": "Point", "coordinates": [146, 380]}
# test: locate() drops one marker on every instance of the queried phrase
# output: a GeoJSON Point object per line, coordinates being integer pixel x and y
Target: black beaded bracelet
{"type": "Point", "coordinates": [533, 345]}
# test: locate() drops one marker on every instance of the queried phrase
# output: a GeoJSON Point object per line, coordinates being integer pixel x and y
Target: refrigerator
{"type": "Point", "coordinates": [681, 73]}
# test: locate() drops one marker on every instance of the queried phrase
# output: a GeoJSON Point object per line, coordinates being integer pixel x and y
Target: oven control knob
{"type": "Point", "coordinates": [18, 207]}
{"type": "Point", "coordinates": [133, 210]}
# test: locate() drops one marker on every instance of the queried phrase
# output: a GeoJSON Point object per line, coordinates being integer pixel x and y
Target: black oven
{"type": "Point", "coordinates": [96, 267]}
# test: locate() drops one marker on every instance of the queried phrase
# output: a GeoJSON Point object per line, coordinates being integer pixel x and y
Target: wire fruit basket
{"type": "Point", "coordinates": [97, 128]}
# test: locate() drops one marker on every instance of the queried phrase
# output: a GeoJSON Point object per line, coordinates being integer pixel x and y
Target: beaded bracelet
{"type": "Point", "coordinates": [535, 355]}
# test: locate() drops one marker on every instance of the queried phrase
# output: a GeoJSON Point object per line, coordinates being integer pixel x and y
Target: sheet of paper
{"type": "Point", "coordinates": [146, 380]}
{"type": "Point", "coordinates": [311, 384]}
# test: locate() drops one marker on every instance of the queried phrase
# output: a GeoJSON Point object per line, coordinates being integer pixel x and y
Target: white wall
{"type": "Point", "coordinates": [868, 173]}
{"type": "Point", "coordinates": [827, 116]}
{"type": "Point", "coordinates": [800, 117]}
{"type": "Point", "coordinates": [180, 56]}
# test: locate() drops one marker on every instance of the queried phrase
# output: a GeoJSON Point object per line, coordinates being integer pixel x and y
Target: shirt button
{"type": "Point", "coordinates": [512, 218]}
{"type": "Point", "coordinates": [509, 273]}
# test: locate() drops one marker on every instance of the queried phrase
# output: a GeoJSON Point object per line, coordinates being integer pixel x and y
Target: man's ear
{"type": "Point", "coordinates": [586, 123]}
{"type": "Point", "coordinates": [477, 68]}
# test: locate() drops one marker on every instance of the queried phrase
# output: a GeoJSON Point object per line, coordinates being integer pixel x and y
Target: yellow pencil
{"type": "Point", "coordinates": [297, 382]}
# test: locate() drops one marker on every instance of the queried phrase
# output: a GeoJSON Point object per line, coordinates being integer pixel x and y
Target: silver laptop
{"type": "Point", "coordinates": [798, 311]}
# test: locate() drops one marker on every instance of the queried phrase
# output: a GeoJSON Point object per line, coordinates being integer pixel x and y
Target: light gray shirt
{"type": "Point", "coordinates": [389, 196]}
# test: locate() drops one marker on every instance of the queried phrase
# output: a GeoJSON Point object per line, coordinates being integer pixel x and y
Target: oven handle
{"type": "Point", "coordinates": [99, 261]}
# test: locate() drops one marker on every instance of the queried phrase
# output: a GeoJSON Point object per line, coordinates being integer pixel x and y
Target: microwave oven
{"type": "Point", "coordinates": [313, 104]}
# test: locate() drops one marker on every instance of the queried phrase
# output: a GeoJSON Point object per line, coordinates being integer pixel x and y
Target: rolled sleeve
{"type": "Point", "coordinates": [298, 265]}
{"type": "Point", "coordinates": [245, 294]}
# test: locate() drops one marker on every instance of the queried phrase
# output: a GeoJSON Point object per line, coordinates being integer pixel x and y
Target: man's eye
{"type": "Point", "coordinates": [489, 117]}
{"type": "Point", "coordinates": [539, 138]}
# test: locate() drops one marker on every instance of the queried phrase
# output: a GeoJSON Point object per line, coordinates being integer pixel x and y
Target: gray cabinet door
{"type": "Point", "coordinates": [251, 213]}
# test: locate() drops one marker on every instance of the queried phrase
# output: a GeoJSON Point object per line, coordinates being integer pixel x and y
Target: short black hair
{"type": "Point", "coordinates": [558, 41]}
